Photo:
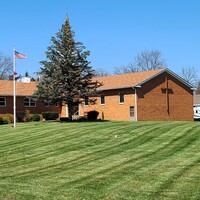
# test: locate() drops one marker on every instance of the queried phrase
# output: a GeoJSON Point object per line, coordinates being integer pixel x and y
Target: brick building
{"type": "Point", "coordinates": [144, 96]}
{"type": "Point", "coordinates": [141, 96]}
{"type": "Point", "coordinates": [24, 102]}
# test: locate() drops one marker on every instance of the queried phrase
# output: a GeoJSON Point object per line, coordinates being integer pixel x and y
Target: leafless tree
{"type": "Point", "coordinates": [101, 72]}
{"type": "Point", "coordinates": [144, 61]}
{"type": "Point", "coordinates": [150, 60]}
{"type": "Point", "coordinates": [5, 66]}
{"type": "Point", "coordinates": [190, 74]}
{"type": "Point", "coordinates": [198, 88]}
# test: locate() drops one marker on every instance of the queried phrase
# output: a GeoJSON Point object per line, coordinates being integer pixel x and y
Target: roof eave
{"type": "Point", "coordinates": [172, 74]}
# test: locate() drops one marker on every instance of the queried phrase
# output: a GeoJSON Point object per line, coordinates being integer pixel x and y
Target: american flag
{"type": "Point", "coordinates": [19, 55]}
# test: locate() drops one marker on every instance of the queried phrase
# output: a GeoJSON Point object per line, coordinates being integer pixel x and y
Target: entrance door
{"type": "Point", "coordinates": [132, 117]}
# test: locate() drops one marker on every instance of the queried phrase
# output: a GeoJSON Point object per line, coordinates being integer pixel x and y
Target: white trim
{"type": "Point", "coordinates": [29, 102]}
{"type": "Point", "coordinates": [169, 72]}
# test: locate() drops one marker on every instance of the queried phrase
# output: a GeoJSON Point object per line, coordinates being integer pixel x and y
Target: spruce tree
{"type": "Point", "coordinates": [66, 74]}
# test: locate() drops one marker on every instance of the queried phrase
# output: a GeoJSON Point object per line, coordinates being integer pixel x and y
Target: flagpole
{"type": "Point", "coordinates": [14, 88]}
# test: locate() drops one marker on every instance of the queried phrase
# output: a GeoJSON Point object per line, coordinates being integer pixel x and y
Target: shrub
{"type": "Point", "coordinates": [92, 115]}
{"type": "Point", "coordinates": [10, 118]}
{"type": "Point", "coordinates": [20, 117]}
{"type": "Point", "coordinates": [27, 116]}
{"type": "Point", "coordinates": [64, 119]}
{"type": "Point", "coordinates": [50, 115]}
{"type": "Point", "coordinates": [3, 120]}
{"type": "Point", "coordinates": [36, 117]}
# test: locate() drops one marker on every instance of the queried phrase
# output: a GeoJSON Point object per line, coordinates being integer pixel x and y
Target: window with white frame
{"type": "Point", "coordinates": [2, 101]}
{"type": "Point", "coordinates": [46, 104]}
{"type": "Point", "coordinates": [102, 99]}
{"type": "Point", "coordinates": [28, 102]}
{"type": "Point", "coordinates": [121, 97]}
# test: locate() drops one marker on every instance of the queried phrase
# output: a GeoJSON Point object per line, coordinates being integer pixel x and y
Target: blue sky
{"type": "Point", "coordinates": [114, 31]}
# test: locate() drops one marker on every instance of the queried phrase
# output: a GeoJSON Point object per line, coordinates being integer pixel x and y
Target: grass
{"type": "Point", "coordinates": [109, 161]}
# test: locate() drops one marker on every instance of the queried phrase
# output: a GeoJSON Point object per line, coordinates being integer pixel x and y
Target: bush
{"type": "Point", "coordinates": [92, 115]}
{"type": "Point", "coordinates": [3, 120]}
{"type": "Point", "coordinates": [21, 117]}
{"type": "Point", "coordinates": [27, 116]}
{"type": "Point", "coordinates": [50, 115]}
{"type": "Point", "coordinates": [64, 119]}
{"type": "Point", "coordinates": [36, 117]}
{"type": "Point", "coordinates": [10, 118]}
{"type": "Point", "coordinates": [7, 118]}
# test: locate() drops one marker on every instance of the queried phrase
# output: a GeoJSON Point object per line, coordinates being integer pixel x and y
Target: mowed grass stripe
{"type": "Point", "coordinates": [68, 148]}
{"type": "Point", "coordinates": [88, 160]}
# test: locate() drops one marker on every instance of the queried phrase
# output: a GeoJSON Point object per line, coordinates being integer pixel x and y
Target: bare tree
{"type": "Point", "coordinates": [190, 74]}
{"type": "Point", "coordinates": [125, 69]}
{"type": "Point", "coordinates": [198, 88]}
{"type": "Point", "coordinates": [101, 72]}
{"type": "Point", "coordinates": [5, 66]}
{"type": "Point", "coordinates": [144, 61]}
{"type": "Point", "coordinates": [150, 60]}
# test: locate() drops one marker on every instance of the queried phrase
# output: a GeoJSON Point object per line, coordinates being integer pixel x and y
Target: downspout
{"type": "Point", "coordinates": [136, 110]}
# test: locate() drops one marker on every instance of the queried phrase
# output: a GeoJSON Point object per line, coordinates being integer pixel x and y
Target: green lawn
{"type": "Point", "coordinates": [101, 160]}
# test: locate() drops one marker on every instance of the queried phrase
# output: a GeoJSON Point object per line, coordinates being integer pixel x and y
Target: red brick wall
{"type": "Point", "coordinates": [112, 110]}
{"type": "Point", "coordinates": [152, 103]}
{"type": "Point", "coordinates": [40, 107]}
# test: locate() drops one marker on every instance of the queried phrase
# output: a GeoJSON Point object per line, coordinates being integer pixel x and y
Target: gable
{"type": "Point", "coordinates": [136, 79]}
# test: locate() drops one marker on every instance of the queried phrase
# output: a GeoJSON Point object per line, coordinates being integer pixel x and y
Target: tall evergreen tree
{"type": "Point", "coordinates": [66, 75]}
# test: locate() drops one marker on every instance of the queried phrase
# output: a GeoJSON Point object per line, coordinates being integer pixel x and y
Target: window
{"type": "Point", "coordinates": [2, 101]}
{"type": "Point", "coordinates": [121, 97]}
{"type": "Point", "coordinates": [102, 102]}
{"type": "Point", "coordinates": [46, 104]}
{"type": "Point", "coordinates": [86, 101]}
{"type": "Point", "coordinates": [28, 102]}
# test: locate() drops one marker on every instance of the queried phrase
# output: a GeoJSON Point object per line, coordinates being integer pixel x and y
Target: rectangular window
{"type": "Point", "coordinates": [121, 97]}
{"type": "Point", "coordinates": [2, 101]}
{"type": "Point", "coordinates": [86, 101]}
{"type": "Point", "coordinates": [46, 104]}
{"type": "Point", "coordinates": [28, 102]}
{"type": "Point", "coordinates": [102, 100]}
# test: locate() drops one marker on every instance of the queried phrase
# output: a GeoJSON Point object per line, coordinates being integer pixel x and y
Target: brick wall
{"type": "Point", "coordinates": [40, 107]}
{"type": "Point", "coordinates": [152, 102]}
{"type": "Point", "coordinates": [112, 109]}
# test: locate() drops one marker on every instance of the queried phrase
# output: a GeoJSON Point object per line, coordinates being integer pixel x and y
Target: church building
{"type": "Point", "coordinates": [156, 95]}
{"type": "Point", "coordinates": [159, 95]}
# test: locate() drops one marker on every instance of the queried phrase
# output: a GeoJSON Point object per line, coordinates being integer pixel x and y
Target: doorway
{"type": "Point", "coordinates": [132, 114]}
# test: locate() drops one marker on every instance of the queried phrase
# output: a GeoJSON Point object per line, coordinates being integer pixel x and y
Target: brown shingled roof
{"type": "Point", "coordinates": [22, 89]}
{"type": "Point", "coordinates": [125, 80]}
{"type": "Point", "coordinates": [109, 82]}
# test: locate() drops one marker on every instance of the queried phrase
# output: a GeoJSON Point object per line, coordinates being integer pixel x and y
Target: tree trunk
{"type": "Point", "coordinates": [70, 106]}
